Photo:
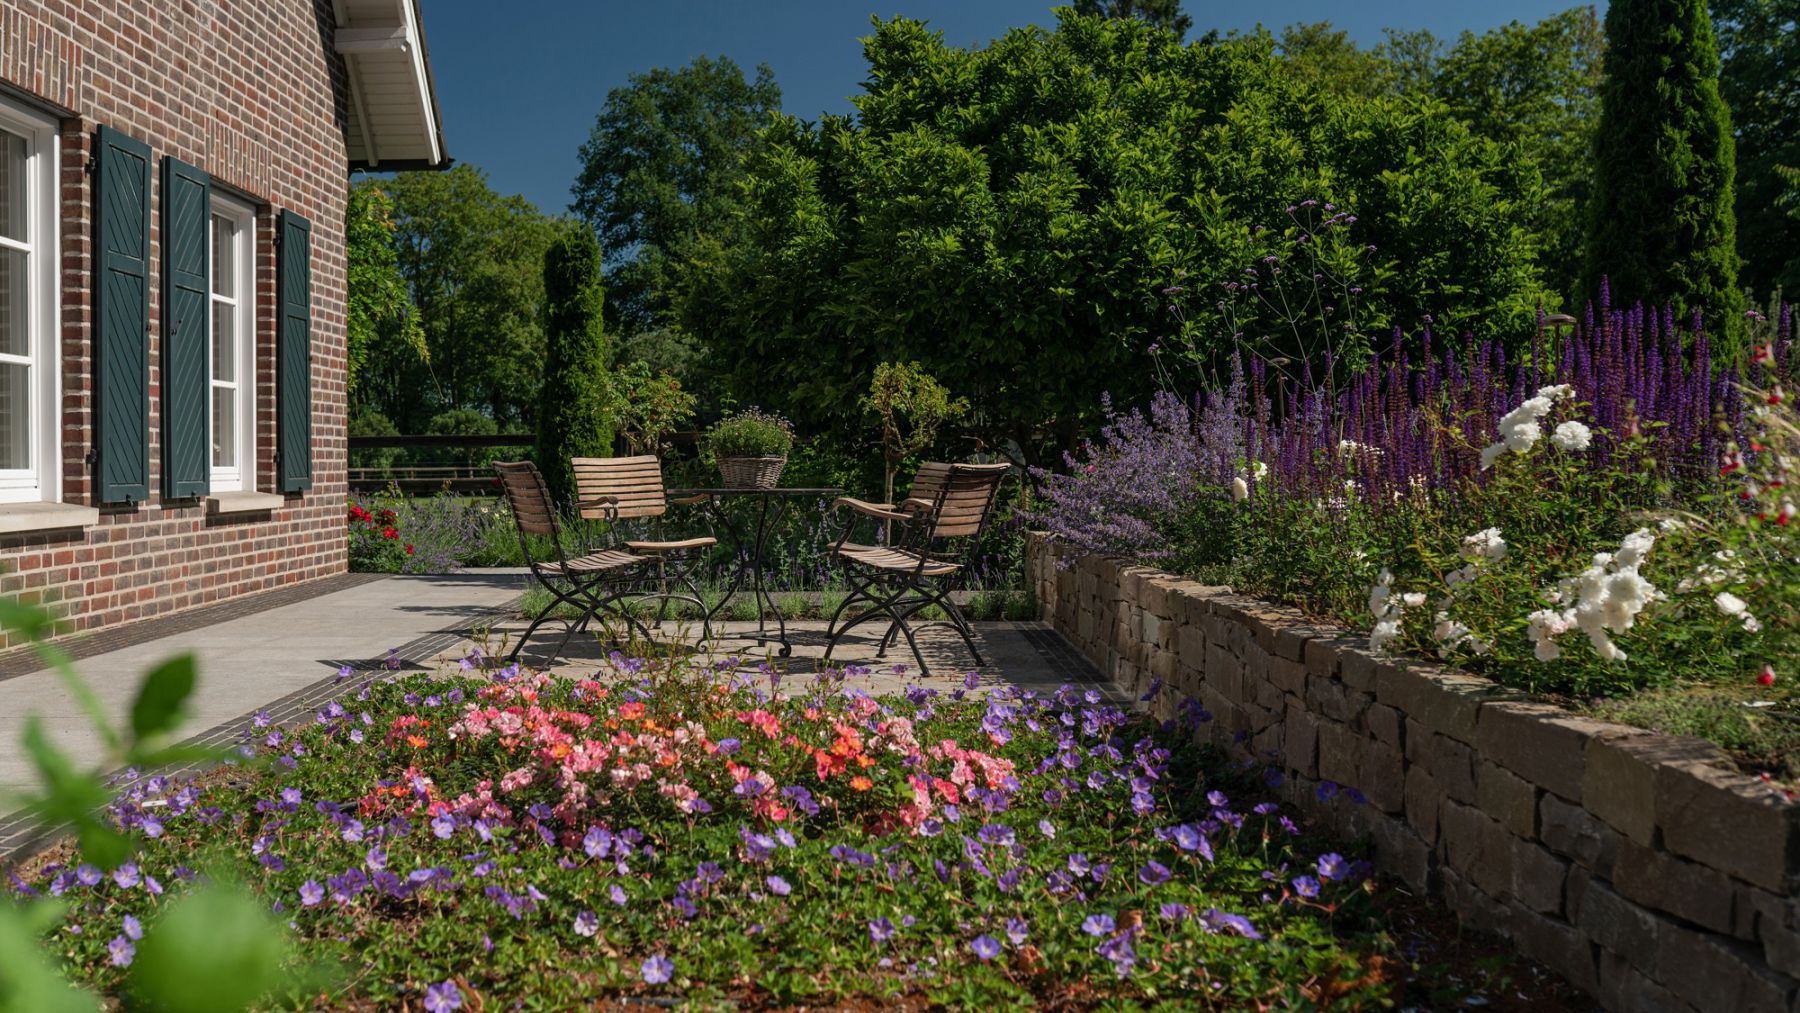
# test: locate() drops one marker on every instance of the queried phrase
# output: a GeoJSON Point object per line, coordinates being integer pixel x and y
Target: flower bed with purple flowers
{"type": "Point", "coordinates": [1608, 518]}
{"type": "Point", "coordinates": [471, 842]}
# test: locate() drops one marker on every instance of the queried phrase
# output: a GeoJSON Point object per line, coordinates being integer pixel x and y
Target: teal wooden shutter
{"type": "Point", "coordinates": [121, 317]}
{"type": "Point", "coordinates": [293, 401]}
{"type": "Point", "coordinates": [186, 331]}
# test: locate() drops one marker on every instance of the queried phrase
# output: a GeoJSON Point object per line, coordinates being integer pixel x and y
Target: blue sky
{"type": "Point", "coordinates": [520, 82]}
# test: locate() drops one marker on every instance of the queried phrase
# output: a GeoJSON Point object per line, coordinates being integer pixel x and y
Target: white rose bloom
{"type": "Point", "coordinates": [1490, 454]}
{"type": "Point", "coordinates": [1486, 544]}
{"type": "Point", "coordinates": [1556, 392]}
{"type": "Point", "coordinates": [1521, 437]}
{"type": "Point", "coordinates": [1572, 435]}
{"type": "Point", "coordinates": [1730, 604]}
{"type": "Point", "coordinates": [1412, 599]}
{"type": "Point", "coordinates": [1634, 549]}
{"type": "Point", "coordinates": [1240, 490]}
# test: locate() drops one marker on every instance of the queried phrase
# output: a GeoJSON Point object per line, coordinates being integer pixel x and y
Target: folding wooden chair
{"type": "Point", "coordinates": [931, 544]}
{"type": "Point", "coordinates": [626, 495]}
{"type": "Point", "coordinates": [595, 582]}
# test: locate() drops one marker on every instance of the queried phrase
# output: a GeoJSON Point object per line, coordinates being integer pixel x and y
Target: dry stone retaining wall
{"type": "Point", "coordinates": [1640, 866]}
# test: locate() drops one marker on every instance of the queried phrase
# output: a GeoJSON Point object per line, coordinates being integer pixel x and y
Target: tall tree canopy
{"type": "Point", "coordinates": [1537, 87]}
{"type": "Point", "coordinates": [1161, 13]}
{"type": "Point", "coordinates": [1759, 43]}
{"type": "Point", "coordinates": [1008, 217]}
{"type": "Point", "coordinates": [473, 265]}
{"type": "Point", "coordinates": [1662, 224]}
{"type": "Point", "coordinates": [662, 166]}
{"type": "Point", "coordinates": [378, 313]}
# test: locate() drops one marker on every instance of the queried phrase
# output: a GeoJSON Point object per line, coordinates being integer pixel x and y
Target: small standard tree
{"type": "Point", "coordinates": [1662, 226]}
{"type": "Point", "coordinates": [574, 417]}
{"type": "Point", "coordinates": [912, 407]}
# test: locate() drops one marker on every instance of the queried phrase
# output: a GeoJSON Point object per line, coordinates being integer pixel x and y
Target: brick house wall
{"type": "Point", "coordinates": [252, 93]}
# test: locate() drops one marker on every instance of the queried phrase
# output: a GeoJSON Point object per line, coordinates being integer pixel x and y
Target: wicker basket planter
{"type": "Point", "coordinates": [751, 472]}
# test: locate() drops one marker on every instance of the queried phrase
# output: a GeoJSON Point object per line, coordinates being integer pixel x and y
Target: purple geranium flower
{"type": "Point", "coordinates": [121, 951]}
{"type": "Point", "coordinates": [1306, 886]}
{"type": "Point", "coordinates": [985, 947]}
{"type": "Point", "coordinates": [1098, 925]}
{"type": "Point", "coordinates": [778, 886]}
{"type": "Point", "coordinates": [311, 893]}
{"type": "Point", "coordinates": [1332, 866]}
{"type": "Point", "coordinates": [657, 970]}
{"type": "Point", "coordinates": [1153, 873]}
{"type": "Point", "coordinates": [587, 923]}
{"type": "Point", "coordinates": [443, 997]}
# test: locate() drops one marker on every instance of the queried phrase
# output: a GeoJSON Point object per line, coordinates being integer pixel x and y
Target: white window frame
{"type": "Point", "coordinates": [41, 481]}
{"type": "Point", "coordinates": [242, 476]}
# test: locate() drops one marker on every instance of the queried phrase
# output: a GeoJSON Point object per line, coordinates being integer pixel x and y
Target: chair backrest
{"type": "Point", "coordinates": [928, 481]}
{"type": "Point", "coordinates": [966, 499]}
{"type": "Point", "coordinates": [528, 496]}
{"type": "Point", "coordinates": [634, 484]}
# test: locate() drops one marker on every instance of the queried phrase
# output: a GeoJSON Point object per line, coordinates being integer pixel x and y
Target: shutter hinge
{"type": "Point", "coordinates": [89, 164]}
{"type": "Point", "coordinates": [93, 457]}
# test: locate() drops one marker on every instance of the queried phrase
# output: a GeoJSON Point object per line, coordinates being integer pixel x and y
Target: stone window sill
{"type": "Point", "coordinates": [242, 503]}
{"type": "Point", "coordinates": [19, 517]}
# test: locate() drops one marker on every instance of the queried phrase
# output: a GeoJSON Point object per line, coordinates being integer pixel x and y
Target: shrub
{"type": "Point", "coordinates": [394, 533]}
{"type": "Point", "coordinates": [750, 433]}
{"type": "Point", "coordinates": [574, 417]}
{"type": "Point", "coordinates": [1662, 223]}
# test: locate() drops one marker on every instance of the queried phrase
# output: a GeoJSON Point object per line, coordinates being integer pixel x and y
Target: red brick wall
{"type": "Point", "coordinates": [250, 92]}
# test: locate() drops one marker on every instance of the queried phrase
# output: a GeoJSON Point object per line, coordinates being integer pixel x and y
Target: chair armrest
{"type": "Point", "coordinates": [691, 500]}
{"type": "Point", "coordinates": [881, 511]}
{"type": "Point", "coordinates": [608, 504]}
{"type": "Point", "coordinates": [916, 505]}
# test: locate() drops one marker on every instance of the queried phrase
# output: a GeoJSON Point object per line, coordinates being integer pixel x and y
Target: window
{"type": "Point", "coordinates": [233, 346]}
{"type": "Point", "coordinates": [30, 395]}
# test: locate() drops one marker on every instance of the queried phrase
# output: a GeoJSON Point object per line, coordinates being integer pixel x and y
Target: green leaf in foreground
{"type": "Point", "coordinates": [216, 950]}
{"type": "Point", "coordinates": [162, 700]}
{"type": "Point", "coordinates": [28, 980]}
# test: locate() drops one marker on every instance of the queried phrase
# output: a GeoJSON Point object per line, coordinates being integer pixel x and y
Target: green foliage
{"type": "Point", "coordinates": [1536, 88]}
{"type": "Point", "coordinates": [660, 167]}
{"type": "Point", "coordinates": [1006, 217]}
{"type": "Point", "coordinates": [473, 263]}
{"type": "Point", "coordinates": [648, 406]}
{"type": "Point", "coordinates": [1662, 227]}
{"type": "Point", "coordinates": [1166, 14]}
{"type": "Point", "coordinates": [377, 309]}
{"type": "Point", "coordinates": [1759, 45]}
{"type": "Point", "coordinates": [245, 953]}
{"type": "Point", "coordinates": [1328, 58]}
{"type": "Point", "coordinates": [750, 433]}
{"type": "Point", "coordinates": [911, 407]}
{"type": "Point", "coordinates": [574, 417]}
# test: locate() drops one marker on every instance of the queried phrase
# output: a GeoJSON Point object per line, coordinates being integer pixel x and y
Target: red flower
{"type": "Point", "coordinates": [389, 532]}
{"type": "Point", "coordinates": [1767, 678]}
{"type": "Point", "coordinates": [409, 548]}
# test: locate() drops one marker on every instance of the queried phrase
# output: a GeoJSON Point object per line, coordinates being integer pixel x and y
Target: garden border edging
{"type": "Point", "coordinates": [1641, 866]}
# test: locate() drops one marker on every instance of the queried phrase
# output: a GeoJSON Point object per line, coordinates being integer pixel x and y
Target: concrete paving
{"type": "Point", "coordinates": [1026, 654]}
{"type": "Point", "coordinates": [247, 662]}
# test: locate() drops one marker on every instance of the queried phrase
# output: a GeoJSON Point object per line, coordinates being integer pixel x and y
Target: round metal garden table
{"type": "Point", "coordinates": [769, 506]}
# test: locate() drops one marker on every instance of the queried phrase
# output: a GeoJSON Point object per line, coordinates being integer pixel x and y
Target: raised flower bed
{"type": "Point", "coordinates": [1643, 867]}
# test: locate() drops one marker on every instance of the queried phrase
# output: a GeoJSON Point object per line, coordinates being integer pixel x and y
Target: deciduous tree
{"type": "Point", "coordinates": [661, 167]}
